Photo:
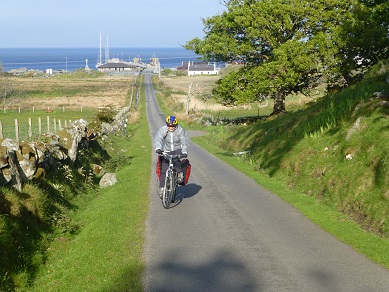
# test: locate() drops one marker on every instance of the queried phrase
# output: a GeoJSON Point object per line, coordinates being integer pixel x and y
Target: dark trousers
{"type": "Point", "coordinates": [165, 164]}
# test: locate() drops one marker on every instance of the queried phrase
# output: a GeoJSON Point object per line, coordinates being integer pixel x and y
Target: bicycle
{"type": "Point", "coordinates": [171, 181]}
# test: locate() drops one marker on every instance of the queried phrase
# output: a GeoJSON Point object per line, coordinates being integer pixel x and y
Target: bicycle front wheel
{"type": "Point", "coordinates": [168, 191]}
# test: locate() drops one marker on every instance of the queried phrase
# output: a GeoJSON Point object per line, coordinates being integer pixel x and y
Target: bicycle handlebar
{"type": "Point", "coordinates": [173, 156]}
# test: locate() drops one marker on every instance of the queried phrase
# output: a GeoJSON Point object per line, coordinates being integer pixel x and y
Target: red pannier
{"type": "Point", "coordinates": [186, 167]}
{"type": "Point", "coordinates": [159, 166]}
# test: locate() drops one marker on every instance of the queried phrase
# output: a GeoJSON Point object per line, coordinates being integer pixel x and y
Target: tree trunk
{"type": "Point", "coordinates": [279, 103]}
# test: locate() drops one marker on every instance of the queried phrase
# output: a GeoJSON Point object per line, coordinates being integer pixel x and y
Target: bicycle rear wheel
{"type": "Point", "coordinates": [168, 191]}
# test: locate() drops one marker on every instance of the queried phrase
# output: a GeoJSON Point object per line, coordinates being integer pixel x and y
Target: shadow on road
{"type": "Point", "coordinates": [189, 190]}
{"type": "Point", "coordinates": [222, 271]}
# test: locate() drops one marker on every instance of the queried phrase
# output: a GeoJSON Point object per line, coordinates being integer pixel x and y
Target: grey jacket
{"type": "Point", "coordinates": [171, 141]}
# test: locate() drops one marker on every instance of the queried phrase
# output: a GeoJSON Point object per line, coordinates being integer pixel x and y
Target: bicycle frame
{"type": "Point", "coordinates": [170, 185]}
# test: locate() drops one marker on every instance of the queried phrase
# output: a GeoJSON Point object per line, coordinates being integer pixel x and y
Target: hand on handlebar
{"type": "Point", "coordinates": [174, 156]}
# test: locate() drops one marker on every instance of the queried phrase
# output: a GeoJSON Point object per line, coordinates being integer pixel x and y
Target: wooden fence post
{"type": "Point", "coordinates": [16, 130]}
{"type": "Point", "coordinates": [1, 130]}
{"type": "Point", "coordinates": [29, 128]}
{"type": "Point", "coordinates": [48, 124]}
{"type": "Point", "coordinates": [40, 125]}
{"type": "Point", "coordinates": [55, 125]}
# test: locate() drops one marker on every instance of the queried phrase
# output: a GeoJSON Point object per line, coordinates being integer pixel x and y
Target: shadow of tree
{"type": "Point", "coordinates": [21, 243]}
{"type": "Point", "coordinates": [31, 218]}
{"type": "Point", "coordinates": [222, 271]}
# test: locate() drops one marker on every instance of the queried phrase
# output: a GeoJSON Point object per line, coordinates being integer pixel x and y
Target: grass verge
{"type": "Point", "coordinates": [106, 254]}
{"type": "Point", "coordinates": [326, 216]}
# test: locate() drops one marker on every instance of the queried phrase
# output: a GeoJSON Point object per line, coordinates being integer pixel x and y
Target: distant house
{"type": "Point", "coordinates": [115, 65]}
{"type": "Point", "coordinates": [199, 68]}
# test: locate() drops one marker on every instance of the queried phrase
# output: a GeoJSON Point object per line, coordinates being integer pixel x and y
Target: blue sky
{"type": "Point", "coordinates": [126, 23]}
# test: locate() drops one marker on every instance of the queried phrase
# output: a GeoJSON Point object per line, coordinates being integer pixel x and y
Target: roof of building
{"type": "Point", "coordinates": [121, 65]}
{"type": "Point", "coordinates": [115, 65]}
{"type": "Point", "coordinates": [202, 67]}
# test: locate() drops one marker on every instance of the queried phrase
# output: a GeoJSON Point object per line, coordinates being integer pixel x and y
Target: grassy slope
{"type": "Point", "coordinates": [106, 255]}
{"type": "Point", "coordinates": [329, 218]}
{"type": "Point", "coordinates": [301, 156]}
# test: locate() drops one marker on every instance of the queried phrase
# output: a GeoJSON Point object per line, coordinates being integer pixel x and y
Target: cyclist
{"type": "Point", "coordinates": [173, 139]}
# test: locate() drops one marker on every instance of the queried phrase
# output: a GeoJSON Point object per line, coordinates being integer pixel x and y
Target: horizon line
{"type": "Point", "coordinates": [82, 47]}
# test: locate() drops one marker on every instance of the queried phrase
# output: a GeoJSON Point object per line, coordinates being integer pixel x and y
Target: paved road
{"type": "Point", "coordinates": [230, 234]}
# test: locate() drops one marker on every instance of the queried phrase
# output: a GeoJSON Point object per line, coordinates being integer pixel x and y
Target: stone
{"type": "Point", "coordinates": [358, 125]}
{"type": "Point", "coordinates": [98, 170]}
{"type": "Point", "coordinates": [108, 179]}
{"type": "Point", "coordinates": [10, 144]}
{"type": "Point", "coordinates": [28, 168]}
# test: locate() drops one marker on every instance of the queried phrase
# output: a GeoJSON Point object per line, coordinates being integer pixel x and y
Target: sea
{"type": "Point", "coordinates": [71, 59]}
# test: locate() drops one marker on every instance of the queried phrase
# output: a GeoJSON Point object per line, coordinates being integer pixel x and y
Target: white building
{"type": "Point", "coordinates": [201, 68]}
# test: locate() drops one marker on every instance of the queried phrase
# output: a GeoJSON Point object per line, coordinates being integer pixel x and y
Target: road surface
{"type": "Point", "coordinates": [229, 234]}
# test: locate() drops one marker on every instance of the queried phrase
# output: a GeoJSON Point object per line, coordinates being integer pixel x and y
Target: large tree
{"type": "Point", "coordinates": [285, 46]}
{"type": "Point", "coordinates": [365, 38]}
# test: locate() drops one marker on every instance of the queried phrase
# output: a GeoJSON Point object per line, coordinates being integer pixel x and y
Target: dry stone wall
{"type": "Point", "coordinates": [22, 161]}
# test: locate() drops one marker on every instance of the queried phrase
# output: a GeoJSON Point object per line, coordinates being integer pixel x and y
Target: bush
{"type": "Point", "coordinates": [106, 114]}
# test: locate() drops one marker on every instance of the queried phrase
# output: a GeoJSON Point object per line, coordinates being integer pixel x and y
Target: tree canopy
{"type": "Point", "coordinates": [288, 46]}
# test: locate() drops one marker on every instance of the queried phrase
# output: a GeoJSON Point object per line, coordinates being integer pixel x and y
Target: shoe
{"type": "Point", "coordinates": [180, 177]}
{"type": "Point", "coordinates": [160, 192]}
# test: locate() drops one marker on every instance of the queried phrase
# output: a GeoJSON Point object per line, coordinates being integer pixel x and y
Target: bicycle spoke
{"type": "Point", "coordinates": [167, 194]}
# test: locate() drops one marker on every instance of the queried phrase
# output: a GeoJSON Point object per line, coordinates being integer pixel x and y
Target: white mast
{"type": "Point", "coordinates": [100, 51]}
{"type": "Point", "coordinates": [99, 57]}
{"type": "Point", "coordinates": [106, 52]}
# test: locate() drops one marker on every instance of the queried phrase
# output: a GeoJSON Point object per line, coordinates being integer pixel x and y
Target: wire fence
{"type": "Point", "coordinates": [33, 128]}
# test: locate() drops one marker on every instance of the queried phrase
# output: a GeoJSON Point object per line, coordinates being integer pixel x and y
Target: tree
{"type": "Point", "coordinates": [365, 37]}
{"type": "Point", "coordinates": [285, 46]}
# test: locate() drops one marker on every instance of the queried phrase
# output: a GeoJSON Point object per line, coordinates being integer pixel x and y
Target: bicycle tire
{"type": "Point", "coordinates": [168, 191]}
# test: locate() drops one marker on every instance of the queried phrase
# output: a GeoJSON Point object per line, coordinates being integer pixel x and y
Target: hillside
{"type": "Point", "coordinates": [334, 149]}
